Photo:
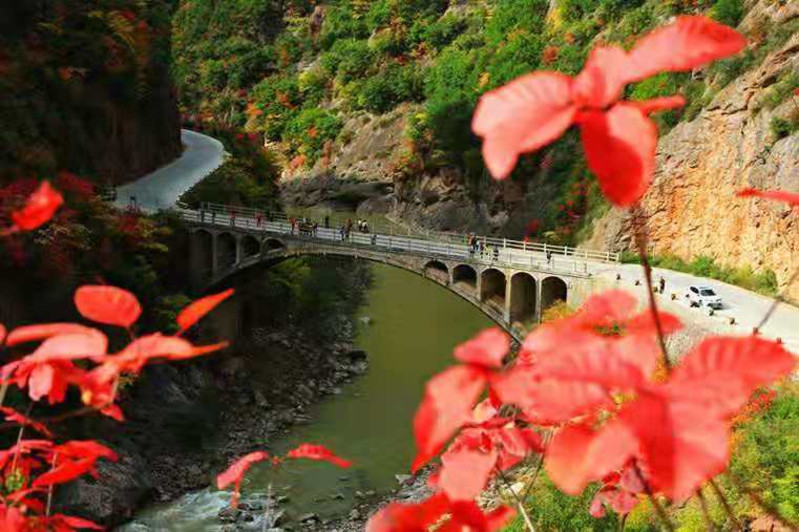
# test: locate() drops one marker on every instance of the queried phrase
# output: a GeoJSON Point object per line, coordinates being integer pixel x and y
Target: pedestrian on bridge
{"type": "Point", "coordinates": [232, 217]}
{"type": "Point", "coordinates": [549, 259]}
{"type": "Point", "coordinates": [213, 217]}
{"type": "Point", "coordinates": [374, 239]}
{"type": "Point", "coordinates": [496, 252]}
{"type": "Point", "coordinates": [259, 219]}
{"type": "Point", "coordinates": [327, 221]}
{"type": "Point", "coordinates": [315, 228]}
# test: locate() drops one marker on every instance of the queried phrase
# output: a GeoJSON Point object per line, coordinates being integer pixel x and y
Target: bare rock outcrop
{"type": "Point", "coordinates": [730, 145]}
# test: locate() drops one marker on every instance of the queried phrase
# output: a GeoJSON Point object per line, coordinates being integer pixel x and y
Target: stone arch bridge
{"type": "Point", "coordinates": [512, 282]}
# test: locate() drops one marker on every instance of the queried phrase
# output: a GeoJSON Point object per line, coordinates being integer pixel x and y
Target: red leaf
{"type": "Point", "coordinates": [39, 208]}
{"type": "Point", "coordinates": [438, 511]}
{"type": "Point", "coordinates": [659, 104]}
{"type": "Point", "coordinates": [522, 116]}
{"type": "Point", "coordinates": [68, 523]}
{"type": "Point", "coordinates": [465, 472]}
{"type": "Point", "coordinates": [688, 43]}
{"type": "Point", "coordinates": [2, 333]}
{"type": "Point", "coordinates": [620, 148]}
{"type": "Point", "coordinates": [235, 473]}
{"type": "Point", "coordinates": [548, 401]}
{"type": "Point", "coordinates": [602, 79]}
{"type": "Point", "coordinates": [778, 195]}
{"type": "Point", "coordinates": [108, 305]}
{"type": "Point", "coordinates": [317, 452]}
{"type": "Point", "coordinates": [65, 473]}
{"type": "Point", "coordinates": [722, 372]}
{"type": "Point", "coordinates": [577, 455]}
{"type": "Point", "coordinates": [32, 333]}
{"type": "Point", "coordinates": [486, 349]}
{"type": "Point", "coordinates": [196, 310]}
{"type": "Point", "coordinates": [447, 405]}
{"type": "Point", "coordinates": [88, 344]}
{"type": "Point", "coordinates": [13, 416]}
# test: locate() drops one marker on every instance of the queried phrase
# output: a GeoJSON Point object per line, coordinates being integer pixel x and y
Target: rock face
{"type": "Point", "coordinates": [692, 207]}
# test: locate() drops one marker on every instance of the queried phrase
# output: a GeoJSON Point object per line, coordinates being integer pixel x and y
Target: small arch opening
{"type": "Point", "coordinates": [437, 270]}
{"type": "Point", "coordinates": [522, 299]}
{"type": "Point", "coordinates": [273, 244]}
{"type": "Point", "coordinates": [464, 276]}
{"type": "Point", "coordinates": [493, 288]}
{"type": "Point", "coordinates": [553, 291]}
{"type": "Point", "coordinates": [250, 246]}
{"type": "Point", "coordinates": [225, 251]}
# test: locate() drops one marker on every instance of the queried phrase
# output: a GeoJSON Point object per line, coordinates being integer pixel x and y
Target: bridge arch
{"type": "Point", "coordinates": [272, 244]}
{"type": "Point", "coordinates": [435, 269]}
{"type": "Point", "coordinates": [250, 246]}
{"type": "Point", "coordinates": [225, 251]}
{"type": "Point", "coordinates": [522, 298]}
{"type": "Point", "coordinates": [466, 276]}
{"type": "Point", "coordinates": [492, 288]}
{"type": "Point", "coordinates": [553, 290]}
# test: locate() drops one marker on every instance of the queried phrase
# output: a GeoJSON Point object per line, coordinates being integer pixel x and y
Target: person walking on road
{"type": "Point", "coordinates": [662, 285]}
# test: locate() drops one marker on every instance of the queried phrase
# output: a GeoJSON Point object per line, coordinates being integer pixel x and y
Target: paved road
{"type": "Point", "coordinates": [748, 308]}
{"type": "Point", "coordinates": [162, 188]}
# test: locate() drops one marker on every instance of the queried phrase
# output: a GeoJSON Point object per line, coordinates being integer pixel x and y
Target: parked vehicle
{"type": "Point", "coordinates": [703, 296]}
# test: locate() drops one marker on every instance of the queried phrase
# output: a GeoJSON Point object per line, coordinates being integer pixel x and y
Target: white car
{"type": "Point", "coordinates": [703, 296]}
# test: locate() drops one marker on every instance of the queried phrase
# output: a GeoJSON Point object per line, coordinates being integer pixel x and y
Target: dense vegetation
{"type": "Point", "coordinates": [86, 88]}
{"type": "Point", "coordinates": [298, 75]}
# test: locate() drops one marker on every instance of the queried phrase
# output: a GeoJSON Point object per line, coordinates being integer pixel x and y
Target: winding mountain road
{"type": "Point", "coordinates": [162, 188]}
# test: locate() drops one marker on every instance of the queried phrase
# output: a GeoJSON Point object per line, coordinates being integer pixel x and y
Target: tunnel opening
{"type": "Point", "coordinates": [225, 251]}
{"type": "Point", "coordinates": [493, 288]}
{"type": "Point", "coordinates": [553, 291]}
{"type": "Point", "coordinates": [250, 247]}
{"type": "Point", "coordinates": [437, 270]}
{"type": "Point", "coordinates": [522, 299]}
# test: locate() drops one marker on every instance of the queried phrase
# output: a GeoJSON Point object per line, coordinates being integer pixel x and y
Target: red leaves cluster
{"type": "Point", "coordinates": [438, 513]}
{"type": "Point", "coordinates": [34, 466]}
{"type": "Point", "coordinates": [38, 209]}
{"type": "Point", "coordinates": [589, 378]}
{"type": "Point", "coordinates": [235, 473]}
{"type": "Point", "coordinates": [619, 139]}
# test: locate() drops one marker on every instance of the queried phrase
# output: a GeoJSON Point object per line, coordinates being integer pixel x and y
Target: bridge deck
{"type": "Point", "coordinates": [495, 254]}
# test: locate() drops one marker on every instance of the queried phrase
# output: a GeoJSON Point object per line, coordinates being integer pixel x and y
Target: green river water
{"type": "Point", "coordinates": [414, 327]}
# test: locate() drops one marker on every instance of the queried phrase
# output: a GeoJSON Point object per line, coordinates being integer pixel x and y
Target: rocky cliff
{"type": "Point", "coordinates": [735, 142]}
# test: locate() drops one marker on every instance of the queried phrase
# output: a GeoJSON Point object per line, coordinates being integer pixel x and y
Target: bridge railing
{"type": "Point", "coordinates": [435, 236]}
{"type": "Point", "coordinates": [495, 256]}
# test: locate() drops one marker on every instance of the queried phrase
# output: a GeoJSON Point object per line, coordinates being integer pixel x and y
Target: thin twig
{"type": "Point", "coordinates": [758, 500]}
{"type": "Point", "coordinates": [705, 513]}
{"type": "Point", "coordinates": [50, 488]}
{"type": "Point", "coordinates": [623, 522]}
{"type": "Point", "coordinates": [640, 241]}
{"type": "Point", "coordinates": [545, 444]}
{"type": "Point", "coordinates": [519, 503]}
{"type": "Point", "coordinates": [661, 513]}
{"type": "Point", "coordinates": [725, 504]}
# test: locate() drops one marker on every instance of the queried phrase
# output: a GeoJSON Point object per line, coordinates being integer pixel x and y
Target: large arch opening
{"type": "Point", "coordinates": [225, 251]}
{"type": "Point", "coordinates": [522, 298]}
{"type": "Point", "coordinates": [437, 270]}
{"type": "Point", "coordinates": [553, 291]}
{"type": "Point", "coordinates": [273, 244]}
{"type": "Point", "coordinates": [464, 276]}
{"type": "Point", "coordinates": [492, 290]}
{"type": "Point", "coordinates": [202, 253]}
{"type": "Point", "coordinates": [250, 246]}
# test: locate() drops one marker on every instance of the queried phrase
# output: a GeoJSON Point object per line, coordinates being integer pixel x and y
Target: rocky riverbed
{"type": "Point", "coordinates": [186, 423]}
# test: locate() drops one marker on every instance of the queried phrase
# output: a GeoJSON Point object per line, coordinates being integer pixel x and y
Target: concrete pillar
{"type": "Point", "coordinates": [214, 253]}
{"type": "Point", "coordinates": [239, 250]}
{"type": "Point", "coordinates": [478, 285]}
{"type": "Point", "coordinates": [538, 300]}
{"type": "Point", "coordinates": [508, 290]}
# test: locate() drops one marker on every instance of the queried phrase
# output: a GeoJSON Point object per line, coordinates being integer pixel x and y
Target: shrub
{"type": "Point", "coordinates": [348, 59]}
{"type": "Point", "coordinates": [340, 24]}
{"type": "Point", "coordinates": [781, 90]}
{"type": "Point", "coordinates": [394, 85]}
{"type": "Point", "coordinates": [729, 12]}
{"type": "Point", "coordinates": [278, 98]}
{"type": "Point", "coordinates": [781, 127]}
{"type": "Point", "coordinates": [308, 132]}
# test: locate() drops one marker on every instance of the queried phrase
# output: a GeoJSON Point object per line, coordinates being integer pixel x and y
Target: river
{"type": "Point", "coordinates": [412, 328]}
